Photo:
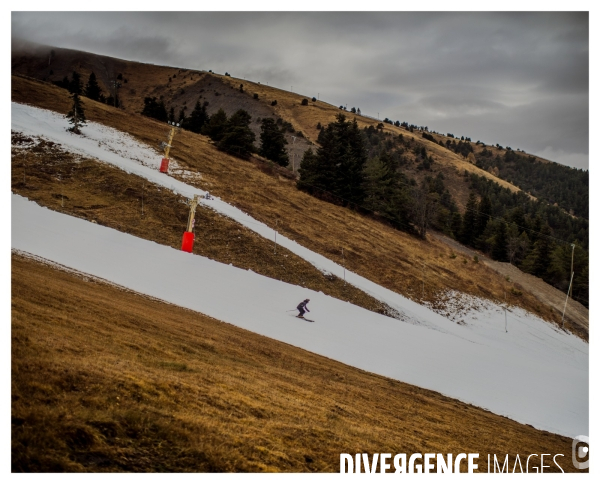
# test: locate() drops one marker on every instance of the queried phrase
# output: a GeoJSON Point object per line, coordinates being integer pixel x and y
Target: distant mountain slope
{"type": "Point", "coordinates": [181, 88]}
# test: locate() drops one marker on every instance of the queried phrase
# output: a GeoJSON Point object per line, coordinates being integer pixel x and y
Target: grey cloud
{"type": "Point", "coordinates": [519, 79]}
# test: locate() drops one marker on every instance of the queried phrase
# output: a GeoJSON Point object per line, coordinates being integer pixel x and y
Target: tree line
{"type": "Point", "coordinates": [91, 89]}
{"type": "Point", "coordinates": [363, 169]}
{"type": "Point", "coordinates": [552, 182]}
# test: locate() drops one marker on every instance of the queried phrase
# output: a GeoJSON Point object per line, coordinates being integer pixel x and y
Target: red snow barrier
{"type": "Point", "coordinates": [164, 165]}
{"type": "Point", "coordinates": [187, 244]}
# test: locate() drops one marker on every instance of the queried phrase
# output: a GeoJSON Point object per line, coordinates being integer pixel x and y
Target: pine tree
{"type": "Point", "coordinates": [215, 127]}
{"type": "Point", "coordinates": [424, 208]}
{"type": "Point", "coordinates": [538, 260]}
{"type": "Point", "coordinates": [76, 115]}
{"type": "Point", "coordinates": [197, 119]}
{"type": "Point", "coordinates": [153, 109]}
{"type": "Point", "coordinates": [238, 138]}
{"type": "Point", "coordinates": [272, 142]}
{"type": "Point", "coordinates": [75, 84]}
{"type": "Point", "coordinates": [308, 171]}
{"type": "Point", "coordinates": [456, 224]}
{"type": "Point", "coordinates": [500, 242]}
{"type": "Point", "coordinates": [377, 185]}
{"type": "Point", "coordinates": [467, 235]}
{"type": "Point", "coordinates": [484, 211]}
{"type": "Point", "coordinates": [338, 168]}
{"type": "Point", "coordinates": [92, 89]}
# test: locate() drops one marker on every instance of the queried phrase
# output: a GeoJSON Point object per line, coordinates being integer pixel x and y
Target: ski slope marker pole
{"type": "Point", "coordinates": [344, 265]}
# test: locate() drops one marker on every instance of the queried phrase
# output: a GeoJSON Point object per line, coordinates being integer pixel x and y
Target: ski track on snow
{"type": "Point", "coordinates": [535, 373]}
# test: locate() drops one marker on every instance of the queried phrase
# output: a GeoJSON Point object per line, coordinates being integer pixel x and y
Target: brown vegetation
{"type": "Point", "coordinates": [107, 380]}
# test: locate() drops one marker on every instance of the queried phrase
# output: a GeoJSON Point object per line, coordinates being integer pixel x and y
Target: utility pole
{"type": "Point", "coordinates": [570, 285]}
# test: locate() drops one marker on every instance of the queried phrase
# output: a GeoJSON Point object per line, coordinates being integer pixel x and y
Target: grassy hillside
{"type": "Point", "coordinates": [418, 269]}
{"type": "Point", "coordinates": [104, 379]}
{"type": "Point", "coordinates": [182, 87]}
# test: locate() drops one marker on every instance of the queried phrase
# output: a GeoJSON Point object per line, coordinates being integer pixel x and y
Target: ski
{"type": "Point", "coordinates": [305, 319]}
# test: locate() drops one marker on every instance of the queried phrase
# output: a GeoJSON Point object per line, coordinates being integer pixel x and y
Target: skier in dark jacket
{"type": "Point", "coordinates": [302, 308]}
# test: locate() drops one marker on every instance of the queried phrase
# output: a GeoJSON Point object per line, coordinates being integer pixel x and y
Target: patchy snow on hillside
{"type": "Point", "coordinates": [534, 373]}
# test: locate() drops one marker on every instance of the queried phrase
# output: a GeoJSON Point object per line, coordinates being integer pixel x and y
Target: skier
{"type": "Point", "coordinates": [302, 308]}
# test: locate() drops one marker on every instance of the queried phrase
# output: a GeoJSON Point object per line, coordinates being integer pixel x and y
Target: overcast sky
{"type": "Point", "coordinates": [518, 79]}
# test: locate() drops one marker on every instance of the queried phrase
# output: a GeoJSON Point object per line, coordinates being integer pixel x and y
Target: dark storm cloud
{"type": "Point", "coordinates": [518, 79]}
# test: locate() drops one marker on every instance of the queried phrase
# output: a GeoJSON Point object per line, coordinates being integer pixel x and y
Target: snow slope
{"type": "Point", "coordinates": [488, 348]}
{"type": "Point", "coordinates": [533, 374]}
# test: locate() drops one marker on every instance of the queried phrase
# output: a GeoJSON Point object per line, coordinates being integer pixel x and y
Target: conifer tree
{"type": "Point", "coordinates": [538, 260]}
{"type": "Point", "coordinates": [341, 157]}
{"type": "Point", "coordinates": [238, 138]}
{"type": "Point", "coordinates": [215, 127]}
{"type": "Point", "coordinates": [377, 185]}
{"type": "Point", "coordinates": [467, 236]}
{"type": "Point", "coordinates": [153, 109]}
{"type": "Point", "coordinates": [75, 83]}
{"type": "Point", "coordinates": [272, 142]}
{"type": "Point", "coordinates": [456, 224]}
{"type": "Point", "coordinates": [484, 211]}
{"type": "Point", "coordinates": [308, 171]}
{"type": "Point", "coordinates": [76, 115]}
{"type": "Point", "coordinates": [92, 89]}
{"type": "Point", "coordinates": [197, 119]}
{"type": "Point", "coordinates": [500, 242]}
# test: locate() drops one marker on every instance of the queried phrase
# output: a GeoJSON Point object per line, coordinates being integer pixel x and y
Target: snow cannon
{"type": "Point", "coordinates": [164, 165]}
{"type": "Point", "coordinates": [187, 244]}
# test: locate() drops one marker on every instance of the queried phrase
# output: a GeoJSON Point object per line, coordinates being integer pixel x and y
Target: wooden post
{"type": "Point", "coordinates": [570, 285]}
{"type": "Point", "coordinates": [191, 217]}
{"type": "Point", "coordinates": [423, 282]}
{"type": "Point", "coordinates": [505, 320]}
{"type": "Point", "coordinates": [168, 146]}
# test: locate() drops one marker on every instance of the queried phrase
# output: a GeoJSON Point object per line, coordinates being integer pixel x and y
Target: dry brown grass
{"type": "Point", "coordinates": [109, 380]}
{"type": "Point", "coordinates": [305, 119]}
{"type": "Point", "coordinates": [391, 258]}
